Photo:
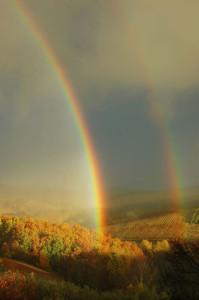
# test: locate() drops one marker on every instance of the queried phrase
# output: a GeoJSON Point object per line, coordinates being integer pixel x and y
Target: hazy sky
{"type": "Point", "coordinates": [115, 53]}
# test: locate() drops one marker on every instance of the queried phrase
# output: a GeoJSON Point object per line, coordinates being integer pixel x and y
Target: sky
{"type": "Point", "coordinates": [118, 55]}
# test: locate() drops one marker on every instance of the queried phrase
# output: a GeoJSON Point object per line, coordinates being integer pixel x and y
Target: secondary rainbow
{"type": "Point", "coordinates": [166, 136]}
{"type": "Point", "coordinates": [158, 112]}
{"type": "Point", "coordinates": [76, 111]}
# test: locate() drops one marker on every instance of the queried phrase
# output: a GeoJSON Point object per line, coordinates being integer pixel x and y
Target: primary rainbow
{"type": "Point", "coordinates": [76, 111]}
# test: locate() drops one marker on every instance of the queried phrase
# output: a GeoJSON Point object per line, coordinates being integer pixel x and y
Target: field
{"type": "Point", "coordinates": [169, 226]}
{"type": "Point", "coordinates": [191, 231]}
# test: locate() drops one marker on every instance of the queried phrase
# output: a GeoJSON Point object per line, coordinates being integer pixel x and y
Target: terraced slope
{"type": "Point", "coordinates": [168, 226]}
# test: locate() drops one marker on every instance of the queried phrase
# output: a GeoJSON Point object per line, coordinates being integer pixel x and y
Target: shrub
{"type": "Point", "coordinates": [146, 246]}
{"type": "Point", "coordinates": [162, 246]}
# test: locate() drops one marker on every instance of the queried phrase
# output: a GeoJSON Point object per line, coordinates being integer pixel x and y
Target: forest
{"type": "Point", "coordinates": [88, 266]}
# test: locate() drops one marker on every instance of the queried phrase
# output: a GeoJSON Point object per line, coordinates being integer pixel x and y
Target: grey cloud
{"type": "Point", "coordinates": [140, 44]}
{"type": "Point", "coordinates": [24, 70]}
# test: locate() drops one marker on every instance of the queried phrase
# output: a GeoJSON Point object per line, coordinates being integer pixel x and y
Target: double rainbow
{"type": "Point", "coordinates": [71, 98]}
{"type": "Point", "coordinates": [154, 104]}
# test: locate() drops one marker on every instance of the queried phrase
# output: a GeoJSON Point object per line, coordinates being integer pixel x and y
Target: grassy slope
{"type": "Point", "coordinates": [14, 265]}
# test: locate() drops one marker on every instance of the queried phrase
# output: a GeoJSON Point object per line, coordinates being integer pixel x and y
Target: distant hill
{"type": "Point", "coordinates": [57, 205]}
{"type": "Point", "coordinates": [125, 197]}
{"type": "Point", "coordinates": [125, 205]}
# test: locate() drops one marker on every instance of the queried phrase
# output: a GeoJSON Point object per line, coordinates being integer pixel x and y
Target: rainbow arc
{"type": "Point", "coordinates": [68, 89]}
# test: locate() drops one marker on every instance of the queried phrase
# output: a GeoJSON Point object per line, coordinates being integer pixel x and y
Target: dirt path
{"type": "Point", "coordinates": [15, 265]}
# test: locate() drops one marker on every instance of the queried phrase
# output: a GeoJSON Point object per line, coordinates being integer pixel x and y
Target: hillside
{"type": "Point", "coordinates": [25, 268]}
{"type": "Point", "coordinates": [101, 267]}
{"type": "Point", "coordinates": [21, 281]}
